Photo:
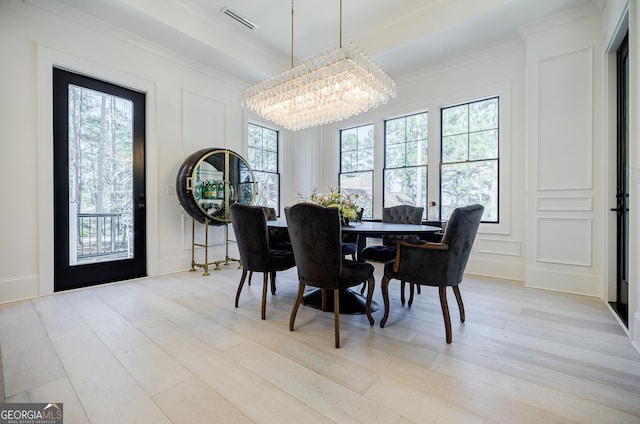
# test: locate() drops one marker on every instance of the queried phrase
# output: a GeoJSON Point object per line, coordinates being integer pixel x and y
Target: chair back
{"type": "Point", "coordinates": [459, 234]}
{"type": "Point", "coordinates": [250, 228]}
{"type": "Point", "coordinates": [269, 213]}
{"type": "Point", "coordinates": [316, 238]}
{"type": "Point", "coordinates": [401, 214]}
{"type": "Point", "coordinates": [443, 268]}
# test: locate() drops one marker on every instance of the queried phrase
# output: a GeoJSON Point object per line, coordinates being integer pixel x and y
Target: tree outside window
{"type": "Point", "coordinates": [263, 159]}
{"type": "Point", "coordinates": [405, 172]}
{"type": "Point", "coordinates": [356, 165]}
{"type": "Point", "coordinates": [469, 169]}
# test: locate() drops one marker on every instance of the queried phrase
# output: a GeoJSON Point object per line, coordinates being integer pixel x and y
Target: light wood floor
{"type": "Point", "coordinates": [174, 349]}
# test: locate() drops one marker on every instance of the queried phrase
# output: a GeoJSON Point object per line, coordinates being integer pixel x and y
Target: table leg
{"type": "Point", "coordinates": [350, 302]}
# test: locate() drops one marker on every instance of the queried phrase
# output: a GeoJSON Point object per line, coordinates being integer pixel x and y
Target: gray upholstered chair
{"type": "Point", "coordinates": [402, 214]}
{"type": "Point", "coordinates": [436, 264]}
{"type": "Point", "coordinates": [316, 237]}
{"type": "Point", "coordinates": [256, 255]}
{"type": "Point", "coordinates": [350, 241]}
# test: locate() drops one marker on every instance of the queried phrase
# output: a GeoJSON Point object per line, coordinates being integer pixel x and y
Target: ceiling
{"type": "Point", "coordinates": [401, 36]}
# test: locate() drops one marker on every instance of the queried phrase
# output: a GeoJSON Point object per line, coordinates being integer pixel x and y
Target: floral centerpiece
{"type": "Point", "coordinates": [346, 203]}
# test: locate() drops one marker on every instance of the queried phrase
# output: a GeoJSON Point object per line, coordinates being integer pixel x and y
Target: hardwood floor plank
{"type": "Point", "coordinates": [141, 357]}
{"type": "Point", "coordinates": [28, 357]}
{"type": "Point", "coordinates": [559, 394]}
{"type": "Point", "coordinates": [193, 402]}
{"type": "Point", "coordinates": [107, 391]}
{"type": "Point", "coordinates": [331, 399]}
{"type": "Point", "coordinates": [418, 405]}
{"type": "Point", "coordinates": [174, 348]}
{"type": "Point", "coordinates": [254, 396]}
{"type": "Point", "coordinates": [59, 391]}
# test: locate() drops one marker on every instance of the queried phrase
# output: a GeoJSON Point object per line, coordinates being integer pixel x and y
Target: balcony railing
{"type": "Point", "coordinates": [102, 235]}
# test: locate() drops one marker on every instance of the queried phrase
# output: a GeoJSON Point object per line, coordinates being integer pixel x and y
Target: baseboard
{"type": "Point", "coordinates": [513, 271]}
{"type": "Point", "coordinates": [586, 285]}
{"type": "Point", "coordinates": [19, 288]}
{"type": "Point", "coordinates": [635, 339]}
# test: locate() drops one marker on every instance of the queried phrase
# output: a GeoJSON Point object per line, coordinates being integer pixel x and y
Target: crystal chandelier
{"type": "Point", "coordinates": [330, 87]}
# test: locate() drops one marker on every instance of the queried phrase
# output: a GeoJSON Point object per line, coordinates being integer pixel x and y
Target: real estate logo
{"type": "Point", "coordinates": [31, 413]}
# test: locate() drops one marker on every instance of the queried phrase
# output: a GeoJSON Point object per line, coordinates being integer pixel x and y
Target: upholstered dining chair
{"type": "Point", "coordinates": [401, 214]}
{"type": "Point", "coordinates": [350, 241]}
{"type": "Point", "coordinates": [316, 237]}
{"type": "Point", "coordinates": [278, 239]}
{"type": "Point", "coordinates": [256, 255]}
{"type": "Point", "coordinates": [436, 264]}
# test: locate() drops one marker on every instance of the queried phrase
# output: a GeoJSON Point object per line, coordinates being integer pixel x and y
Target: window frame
{"type": "Point", "coordinates": [496, 159]}
{"type": "Point", "coordinates": [261, 170]}
{"type": "Point", "coordinates": [370, 171]}
{"type": "Point", "coordinates": [425, 162]}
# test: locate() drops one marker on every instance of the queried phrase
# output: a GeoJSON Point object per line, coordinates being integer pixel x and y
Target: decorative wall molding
{"type": "Point", "coordinates": [564, 240]}
{"type": "Point", "coordinates": [498, 247]}
{"type": "Point", "coordinates": [567, 203]}
{"type": "Point", "coordinates": [565, 118]}
{"type": "Point", "coordinates": [203, 122]}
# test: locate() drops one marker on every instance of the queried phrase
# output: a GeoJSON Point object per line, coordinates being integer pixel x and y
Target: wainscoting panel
{"type": "Point", "coordinates": [498, 247]}
{"type": "Point", "coordinates": [565, 121]}
{"type": "Point", "coordinates": [571, 203]}
{"type": "Point", "coordinates": [565, 241]}
{"type": "Point", "coordinates": [203, 122]}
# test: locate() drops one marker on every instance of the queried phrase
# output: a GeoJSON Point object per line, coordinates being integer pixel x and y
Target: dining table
{"type": "Point", "coordinates": [352, 302]}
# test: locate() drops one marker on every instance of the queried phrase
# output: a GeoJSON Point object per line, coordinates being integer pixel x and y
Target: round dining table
{"type": "Point", "coordinates": [350, 301]}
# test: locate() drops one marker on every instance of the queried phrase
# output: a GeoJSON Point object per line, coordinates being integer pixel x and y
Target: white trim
{"type": "Point", "coordinates": [47, 58]}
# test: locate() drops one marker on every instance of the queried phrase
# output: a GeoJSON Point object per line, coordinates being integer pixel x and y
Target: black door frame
{"type": "Point", "coordinates": [70, 277]}
{"type": "Point", "coordinates": [621, 303]}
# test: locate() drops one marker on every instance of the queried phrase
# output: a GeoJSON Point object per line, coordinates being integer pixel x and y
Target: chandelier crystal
{"type": "Point", "coordinates": [330, 87]}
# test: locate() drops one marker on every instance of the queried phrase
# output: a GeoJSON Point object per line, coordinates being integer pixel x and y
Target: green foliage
{"type": "Point", "coordinates": [100, 151]}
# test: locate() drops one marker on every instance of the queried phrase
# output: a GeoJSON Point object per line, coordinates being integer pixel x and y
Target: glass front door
{"type": "Point", "coordinates": [99, 186]}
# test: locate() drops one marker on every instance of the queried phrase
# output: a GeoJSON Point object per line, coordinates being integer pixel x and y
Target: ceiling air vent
{"type": "Point", "coordinates": [244, 21]}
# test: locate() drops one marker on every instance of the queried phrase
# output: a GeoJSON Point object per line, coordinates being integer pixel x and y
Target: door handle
{"type": "Point", "coordinates": [619, 209]}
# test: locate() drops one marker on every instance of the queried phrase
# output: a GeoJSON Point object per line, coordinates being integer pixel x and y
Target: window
{"type": "Point", "coordinates": [356, 165]}
{"type": "Point", "coordinates": [263, 159]}
{"type": "Point", "coordinates": [405, 158]}
{"type": "Point", "coordinates": [469, 169]}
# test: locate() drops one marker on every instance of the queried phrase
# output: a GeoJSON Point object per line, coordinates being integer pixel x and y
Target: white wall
{"type": "Point", "coordinates": [552, 192]}
{"type": "Point", "coordinates": [188, 108]}
{"type": "Point", "coordinates": [565, 191]}
{"type": "Point", "coordinates": [499, 250]}
{"type": "Point", "coordinates": [555, 165]}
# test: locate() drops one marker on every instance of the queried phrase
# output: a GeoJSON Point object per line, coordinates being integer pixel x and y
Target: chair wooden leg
{"type": "Point", "coordinates": [364, 285]}
{"type": "Point", "coordinates": [456, 291]}
{"type": "Point", "coordinates": [411, 290]}
{"type": "Point", "coordinates": [445, 312]}
{"type": "Point", "coordinates": [250, 275]}
{"type": "Point", "coordinates": [384, 285]}
{"type": "Point", "coordinates": [336, 315]}
{"type": "Point", "coordinates": [265, 285]}
{"type": "Point", "coordinates": [402, 284]}
{"type": "Point", "coordinates": [296, 304]}
{"type": "Point", "coordinates": [244, 277]}
{"type": "Point", "coordinates": [371, 285]}
{"type": "Point", "coordinates": [418, 288]}
{"type": "Point", "coordinates": [273, 283]}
